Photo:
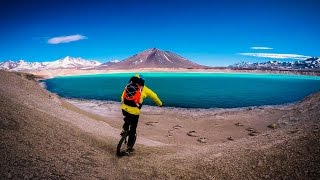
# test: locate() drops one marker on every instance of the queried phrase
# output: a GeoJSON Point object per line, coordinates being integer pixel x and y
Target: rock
{"type": "Point", "coordinates": [267, 176]}
{"type": "Point", "coordinates": [238, 124]}
{"type": "Point", "coordinates": [273, 126]}
{"type": "Point", "coordinates": [315, 126]}
{"type": "Point", "coordinates": [171, 131]}
{"type": "Point", "coordinates": [192, 134]}
{"type": "Point", "coordinates": [202, 140]}
{"type": "Point", "coordinates": [230, 138]}
{"type": "Point", "coordinates": [9, 175]}
{"type": "Point", "coordinates": [260, 163]}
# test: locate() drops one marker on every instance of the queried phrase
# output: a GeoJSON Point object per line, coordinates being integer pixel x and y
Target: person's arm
{"type": "Point", "coordinates": [153, 96]}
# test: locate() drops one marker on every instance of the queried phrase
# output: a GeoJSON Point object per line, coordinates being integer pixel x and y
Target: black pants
{"type": "Point", "coordinates": [130, 124]}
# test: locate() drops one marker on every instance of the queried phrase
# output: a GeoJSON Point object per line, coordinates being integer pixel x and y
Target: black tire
{"type": "Point", "coordinates": [122, 145]}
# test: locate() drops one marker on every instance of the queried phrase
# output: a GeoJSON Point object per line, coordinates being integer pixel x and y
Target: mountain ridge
{"type": "Point", "coordinates": [66, 62]}
{"type": "Point", "coordinates": [157, 59]}
{"type": "Point", "coordinates": [154, 58]}
{"type": "Point", "coordinates": [308, 64]}
{"type": "Point", "coordinates": [150, 58]}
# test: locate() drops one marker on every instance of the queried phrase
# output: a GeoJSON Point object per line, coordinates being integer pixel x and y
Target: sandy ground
{"type": "Point", "coordinates": [45, 137]}
{"type": "Point", "coordinates": [190, 126]}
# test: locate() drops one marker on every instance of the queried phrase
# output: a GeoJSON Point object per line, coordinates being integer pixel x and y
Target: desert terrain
{"type": "Point", "coordinates": [44, 136]}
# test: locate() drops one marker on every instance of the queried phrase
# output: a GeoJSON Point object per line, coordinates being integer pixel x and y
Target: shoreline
{"type": "Point", "coordinates": [181, 72]}
{"type": "Point", "coordinates": [48, 74]}
{"type": "Point", "coordinates": [191, 109]}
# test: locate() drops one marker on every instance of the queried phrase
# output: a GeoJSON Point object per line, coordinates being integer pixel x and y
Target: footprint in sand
{"type": "Point", "coordinates": [238, 124]}
{"type": "Point", "coordinates": [170, 133]}
{"type": "Point", "coordinates": [192, 134]}
{"type": "Point", "coordinates": [151, 123]}
{"type": "Point", "coordinates": [230, 138]}
{"type": "Point", "coordinates": [202, 140]}
{"type": "Point", "coordinates": [253, 133]}
{"type": "Point", "coordinates": [250, 129]}
{"type": "Point", "coordinates": [177, 127]}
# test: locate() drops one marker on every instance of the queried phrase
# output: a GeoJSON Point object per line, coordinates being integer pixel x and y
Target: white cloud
{"type": "Point", "coordinates": [276, 56]}
{"type": "Point", "coordinates": [261, 48]}
{"type": "Point", "coordinates": [66, 39]}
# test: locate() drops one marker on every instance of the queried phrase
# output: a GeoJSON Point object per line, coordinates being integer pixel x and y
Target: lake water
{"type": "Point", "coordinates": [193, 90]}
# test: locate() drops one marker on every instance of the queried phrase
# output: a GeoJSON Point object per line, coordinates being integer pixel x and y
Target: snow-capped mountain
{"type": "Point", "coordinates": [8, 65]}
{"type": "Point", "coordinates": [150, 58]}
{"type": "Point", "coordinates": [20, 65]}
{"type": "Point", "coordinates": [67, 62]}
{"type": "Point", "coordinates": [70, 62]}
{"type": "Point", "coordinates": [310, 63]}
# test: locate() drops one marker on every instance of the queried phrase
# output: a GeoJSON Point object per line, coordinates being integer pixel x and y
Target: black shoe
{"type": "Point", "coordinates": [130, 150]}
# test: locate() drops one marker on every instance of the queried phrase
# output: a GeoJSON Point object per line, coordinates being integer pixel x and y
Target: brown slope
{"type": "Point", "coordinates": [36, 143]}
{"type": "Point", "coordinates": [41, 139]}
{"type": "Point", "coordinates": [155, 58]}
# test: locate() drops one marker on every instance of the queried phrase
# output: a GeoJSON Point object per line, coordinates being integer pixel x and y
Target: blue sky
{"type": "Point", "coordinates": [216, 32]}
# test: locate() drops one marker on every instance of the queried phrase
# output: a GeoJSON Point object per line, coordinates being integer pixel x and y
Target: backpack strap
{"type": "Point", "coordinates": [132, 94]}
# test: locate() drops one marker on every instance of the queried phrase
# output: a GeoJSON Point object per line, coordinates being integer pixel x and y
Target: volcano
{"type": "Point", "coordinates": [155, 58]}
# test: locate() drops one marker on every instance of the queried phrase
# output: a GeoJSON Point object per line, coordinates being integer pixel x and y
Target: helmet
{"type": "Point", "coordinates": [139, 76]}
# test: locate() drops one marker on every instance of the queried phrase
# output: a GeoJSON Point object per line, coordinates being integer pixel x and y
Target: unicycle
{"type": "Point", "coordinates": [122, 145]}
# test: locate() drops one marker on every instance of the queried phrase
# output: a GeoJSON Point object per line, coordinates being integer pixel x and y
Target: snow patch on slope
{"type": "Point", "coordinates": [67, 62]}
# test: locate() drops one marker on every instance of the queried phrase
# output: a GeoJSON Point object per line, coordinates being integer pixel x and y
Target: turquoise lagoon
{"type": "Point", "coordinates": [193, 90]}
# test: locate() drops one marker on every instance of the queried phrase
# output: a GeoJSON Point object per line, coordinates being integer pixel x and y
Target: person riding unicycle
{"type": "Point", "coordinates": [131, 103]}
